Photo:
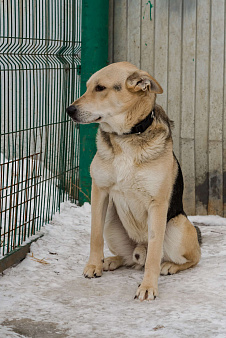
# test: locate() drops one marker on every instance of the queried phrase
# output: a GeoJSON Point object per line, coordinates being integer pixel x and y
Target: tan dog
{"type": "Point", "coordinates": [137, 183]}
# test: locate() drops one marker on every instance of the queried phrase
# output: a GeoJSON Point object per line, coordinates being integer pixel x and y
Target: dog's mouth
{"type": "Point", "coordinates": [87, 122]}
{"type": "Point", "coordinates": [78, 116]}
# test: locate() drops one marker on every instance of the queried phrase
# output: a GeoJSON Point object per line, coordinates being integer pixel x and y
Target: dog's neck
{"type": "Point", "coordinates": [136, 129]}
{"type": "Point", "coordinates": [142, 125]}
{"type": "Point", "coordinates": [144, 146]}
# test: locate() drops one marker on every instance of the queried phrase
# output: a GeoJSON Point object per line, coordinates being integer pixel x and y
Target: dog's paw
{"type": "Point", "coordinates": [146, 292]}
{"type": "Point", "coordinates": [93, 271]}
{"type": "Point", "coordinates": [112, 263]}
{"type": "Point", "coordinates": [168, 268]}
{"type": "Point", "coordinates": [137, 267]}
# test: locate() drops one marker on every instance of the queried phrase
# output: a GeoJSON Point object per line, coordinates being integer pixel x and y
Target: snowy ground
{"type": "Point", "coordinates": [46, 295]}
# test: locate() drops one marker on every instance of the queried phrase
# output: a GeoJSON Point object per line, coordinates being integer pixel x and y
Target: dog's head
{"type": "Point", "coordinates": [117, 96]}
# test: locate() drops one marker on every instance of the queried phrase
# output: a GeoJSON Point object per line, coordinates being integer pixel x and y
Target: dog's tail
{"type": "Point", "coordinates": [140, 251]}
{"type": "Point", "coordinates": [199, 234]}
{"type": "Point", "coordinates": [139, 254]}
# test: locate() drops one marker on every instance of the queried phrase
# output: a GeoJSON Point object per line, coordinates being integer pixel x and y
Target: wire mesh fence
{"type": "Point", "coordinates": [39, 77]}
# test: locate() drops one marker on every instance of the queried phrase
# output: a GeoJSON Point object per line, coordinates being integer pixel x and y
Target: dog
{"type": "Point", "coordinates": [137, 183]}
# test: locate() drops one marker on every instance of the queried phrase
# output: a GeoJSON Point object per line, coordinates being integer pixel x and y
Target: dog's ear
{"type": "Point", "coordinates": [143, 81]}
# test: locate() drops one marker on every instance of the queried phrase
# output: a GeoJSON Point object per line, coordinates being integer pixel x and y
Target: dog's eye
{"type": "Point", "coordinates": [99, 88]}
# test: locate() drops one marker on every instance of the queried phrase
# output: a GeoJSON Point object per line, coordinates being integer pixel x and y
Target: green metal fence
{"type": "Point", "coordinates": [39, 68]}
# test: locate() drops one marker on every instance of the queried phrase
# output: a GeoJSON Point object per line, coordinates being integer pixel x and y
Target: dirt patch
{"type": "Point", "coordinates": [34, 329]}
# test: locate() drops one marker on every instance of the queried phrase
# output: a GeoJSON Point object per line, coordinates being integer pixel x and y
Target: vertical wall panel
{"type": "Point", "coordinates": [188, 69]}
{"type": "Point", "coordinates": [216, 70]}
{"type": "Point", "coordinates": [147, 37]}
{"type": "Point", "coordinates": [161, 48]}
{"type": "Point", "coordinates": [174, 70]}
{"type": "Point", "coordinates": [215, 203]}
{"type": "Point", "coordinates": [182, 44]}
{"type": "Point", "coordinates": [224, 120]}
{"type": "Point", "coordinates": [134, 27]}
{"type": "Point", "coordinates": [202, 105]}
{"type": "Point", "coordinates": [216, 108]}
{"type": "Point", "coordinates": [111, 32]}
{"type": "Point", "coordinates": [188, 103]}
{"type": "Point", "coordinates": [120, 30]}
{"type": "Point", "coordinates": [187, 161]}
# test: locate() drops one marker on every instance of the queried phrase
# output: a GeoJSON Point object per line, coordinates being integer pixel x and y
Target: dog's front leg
{"type": "Point", "coordinates": [157, 215]}
{"type": "Point", "coordinates": [99, 203]}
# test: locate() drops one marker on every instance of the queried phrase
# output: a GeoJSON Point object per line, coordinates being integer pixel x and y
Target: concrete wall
{"type": "Point", "coordinates": [182, 44]}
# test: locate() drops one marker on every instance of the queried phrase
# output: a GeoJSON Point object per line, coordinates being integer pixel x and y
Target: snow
{"type": "Point", "coordinates": [46, 294]}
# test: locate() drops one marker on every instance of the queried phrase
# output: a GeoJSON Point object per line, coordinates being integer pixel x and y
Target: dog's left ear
{"type": "Point", "coordinates": [143, 81]}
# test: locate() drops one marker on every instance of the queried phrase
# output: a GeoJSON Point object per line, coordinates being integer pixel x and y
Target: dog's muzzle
{"type": "Point", "coordinates": [71, 111]}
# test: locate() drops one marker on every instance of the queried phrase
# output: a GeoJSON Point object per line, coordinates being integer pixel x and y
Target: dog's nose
{"type": "Point", "coordinates": [71, 110]}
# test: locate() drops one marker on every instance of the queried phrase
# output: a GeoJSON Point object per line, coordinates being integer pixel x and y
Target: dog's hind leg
{"type": "Point", "coordinates": [118, 241]}
{"type": "Point", "coordinates": [181, 246]}
{"type": "Point", "coordinates": [170, 268]}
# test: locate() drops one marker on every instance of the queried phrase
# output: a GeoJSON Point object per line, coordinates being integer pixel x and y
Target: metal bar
{"type": "Point", "coordinates": [19, 226]}
{"type": "Point", "coordinates": [35, 127]}
{"type": "Point", "coordinates": [15, 206]}
{"type": "Point", "coordinates": [19, 159]}
{"type": "Point", "coordinates": [38, 39]}
{"type": "Point", "coordinates": [16, 255]}
{"type": "Point", "coordinates": [16, 184]}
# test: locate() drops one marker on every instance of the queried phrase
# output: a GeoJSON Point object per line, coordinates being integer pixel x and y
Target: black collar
{"type": "Point", "coordinates": [143, 125]}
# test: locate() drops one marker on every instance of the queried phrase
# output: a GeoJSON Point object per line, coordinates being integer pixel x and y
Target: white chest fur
{"type": "Point", "coordinates": [132, 187]}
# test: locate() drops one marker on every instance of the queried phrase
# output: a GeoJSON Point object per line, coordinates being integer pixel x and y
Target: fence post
{"type": "Point", "coordinates": [94, 55]}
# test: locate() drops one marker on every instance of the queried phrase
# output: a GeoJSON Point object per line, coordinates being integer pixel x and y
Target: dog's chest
{"type": "Point", "coordinates": [132, 187]}
{"type": "Point", "coordinates": [114, 173]}
{"type": "Point", "coordinates": [123, 167]}
{"type": "Point", "coordinates": [122, 175]}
